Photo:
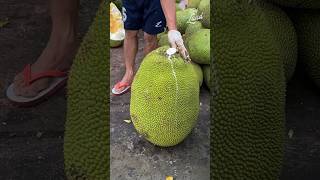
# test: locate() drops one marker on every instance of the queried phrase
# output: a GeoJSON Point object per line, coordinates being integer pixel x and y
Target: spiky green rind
{"type": "Point", "coordinates": [199, 72]}
{"type": "Point", "coordinates": [286, 37]}
{"type": "Point", "coordinates": [313, 4]}
{"type": "Point", "coordinates": [115, 44]}
{"type": "Point", "coordinates": [164, 103]}
{"type": "Point", "coordinates": [193, 3]}
{"type": "Point", "coordinates": [206, 75]}
{"type": "Point", "coordinates": [198, 45]}
{"type": "Point", "coordinates": [184, 17]}
{"type": "Point", "coordinates": [248, 94]}
{"type": "Point", "coordinates": [86, 142]}
{"type": "Point", "coordinates": [192, 28]}
{"type": "Point", "coordinates": [204, 10]}
{"type": "Point", "coordinates": [163, 40]}
{"type": "Point", "coordinates": [307, 24]}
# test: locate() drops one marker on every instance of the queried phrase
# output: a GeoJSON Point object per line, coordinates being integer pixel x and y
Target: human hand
{"type": "Point", "coordinates": [176, 41]}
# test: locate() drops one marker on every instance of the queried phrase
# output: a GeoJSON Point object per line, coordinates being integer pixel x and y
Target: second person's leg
{"type": "Point", "coordinates": [60, 49]}
{"type": "Point", "coordinates": [130, 48]}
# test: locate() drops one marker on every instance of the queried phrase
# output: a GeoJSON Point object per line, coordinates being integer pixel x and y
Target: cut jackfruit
{"type": "Point", "coordinates": [117, 31]}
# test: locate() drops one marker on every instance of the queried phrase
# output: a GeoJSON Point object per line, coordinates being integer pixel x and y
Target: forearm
{"type": "Point", "coordinates": [169, 10]}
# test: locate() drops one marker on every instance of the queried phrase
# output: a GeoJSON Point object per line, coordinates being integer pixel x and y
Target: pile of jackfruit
{"type": "Point", "coordinates": [255, 47]}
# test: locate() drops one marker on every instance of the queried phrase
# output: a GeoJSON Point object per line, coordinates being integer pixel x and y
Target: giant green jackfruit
{"type": "Point", "coordinates": [185, 17]}
{"type": "Point", "coordinates": [192, 28]}
{"type": "Point", "coordinates": [198, 45]}
{"type": "Point", "coordinates": [307, 23]}
{"type": "Point", "coordinates": [86, 142]}
{"type": "Point", "coordinates": [206, 75]}
{"type": "Point", "coordinates": [248, 93]}
{"type": "Point", "coordinates": [199, 72]}
{"type": "Point", "coordinates": [298, 3]}
{"type": "Point", "coordinates": [286, 37]}
{"type": "Point", "coordinates": [204, 10]}
{"type": "Point", "coordinates": [193, 3]}
{"type": "Point", "coordinates": [164, 102]}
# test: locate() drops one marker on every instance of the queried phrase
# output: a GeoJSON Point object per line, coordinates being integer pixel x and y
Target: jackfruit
{"type": "Point", "coordinates": [198, 45]}
{"type": "Point", "coordinates": [307, 24]}
{"type": "Point", "coordinates": [192, 28]}
{"type": "Point", "coordinates": [117, 31]}
{"type": "Point", "coordinates": [199, 72]}
{"type": "Point", "coordinates": [185, 17]}
{"type": "Point", "coordinates": [314, 4]}
{"type": "Point", "coordinates": [193, 3]}
{"type": "Point", "coordinates": [206, 75]}
{"type": "Point", "coordinates": [286, 37]}
{"type": "Point", "coordinates": [86, 140]}
{"type": "Point", "coordinates": [163, 40]}
{"type": "Point", "coordinates": [248, 93]}
{"type": "Point", "coordinates": [204, 11]}
{"type": "Point", "coordinates": [164, 98]}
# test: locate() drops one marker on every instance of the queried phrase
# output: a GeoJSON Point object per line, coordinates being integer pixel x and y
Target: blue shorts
{"type": "Point", "coordinates": [143, 14]}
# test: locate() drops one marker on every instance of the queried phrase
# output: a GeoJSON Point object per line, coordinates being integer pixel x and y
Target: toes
{"type": "Point", "coordinates": [16, 90]}
{"type": "Point", "coordinates": [18, 78]}
{"type": "Point", "coordinates": [34, 89]}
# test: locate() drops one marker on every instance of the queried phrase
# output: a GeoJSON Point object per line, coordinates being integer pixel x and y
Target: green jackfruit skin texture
{"type": "Point", "coordinates": [307, 23]}
{"type": "Point", "coordinates": [163, 40]}
{"type": "Point", "coordinates": [183, 18]}
{"type": "Point", "coordinates": [199, 72]}
{"type": "Point", "coordinates": [199, 46]}
{"type": "Point", "coordinates": [115, 44]}
{"type": "Point", "coordinates": [312, 4]}
{"type": "Point", "coordinates": [286, 37]}
{"type": "Point", "coordinates": [193, 3]}
{"type": "Point", "coordinates": [86, 140]}
{"type": "Point", "coordinates": [192, 28]}
{"type": "Point", "coordinates": [164, 109]}
{"type": "Point", "coordinates": [248, 94]}
{"type": "Point", "coordinates": [206, 75]}
{"type": "Point", "coordinates": [204, 9]}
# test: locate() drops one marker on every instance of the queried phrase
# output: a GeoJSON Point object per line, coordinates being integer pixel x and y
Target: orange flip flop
{"type": "Point", "coordinates": [59, 79]}
{"type": "Point", "coordinates": [126, 87]}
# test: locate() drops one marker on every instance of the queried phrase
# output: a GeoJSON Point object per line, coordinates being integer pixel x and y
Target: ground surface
{"type": "Point", "coordinates": [31, 139]}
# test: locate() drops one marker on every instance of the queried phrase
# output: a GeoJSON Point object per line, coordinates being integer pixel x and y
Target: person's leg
{"type": "Point", "coordinates": [130, 48]}
{"type": "Point", "coordinates": [154, 23]}
{"type": "Point", "coordinates": [150, 43]}
{"type": "Point", "coordinates": [60, 49]}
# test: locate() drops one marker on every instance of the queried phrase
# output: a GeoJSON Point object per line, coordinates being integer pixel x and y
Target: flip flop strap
{"type": "Point", "coordinates": [121, 84]}
{"type": "Point", "coordinates": [29, 78]}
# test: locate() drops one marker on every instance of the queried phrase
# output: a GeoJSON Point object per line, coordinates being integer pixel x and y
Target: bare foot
{"type": "Point", "coordinates": [58, 55]}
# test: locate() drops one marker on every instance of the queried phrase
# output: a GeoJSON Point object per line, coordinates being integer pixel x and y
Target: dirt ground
{"type": "Point", "coordinates": [31, 139]}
